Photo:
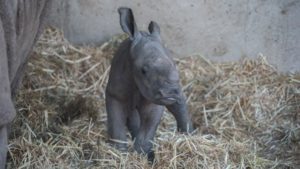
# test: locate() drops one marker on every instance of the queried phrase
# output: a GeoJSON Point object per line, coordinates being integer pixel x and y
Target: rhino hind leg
{"type": "Point", "coordinates": [180, 112]}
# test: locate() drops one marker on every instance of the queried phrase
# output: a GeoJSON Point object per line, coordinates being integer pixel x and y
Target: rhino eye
{"type": "Point", "coordinates": [143, 70]}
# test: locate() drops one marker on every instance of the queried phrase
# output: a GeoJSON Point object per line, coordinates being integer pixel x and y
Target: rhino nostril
{"type": "Point", "coordinates": [160, 93]}
{"type": "Point", "coordinates": [175, 91]}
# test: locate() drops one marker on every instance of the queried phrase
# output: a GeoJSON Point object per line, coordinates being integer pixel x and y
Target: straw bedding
{"type": "Point", "coordinates": [247, 114]}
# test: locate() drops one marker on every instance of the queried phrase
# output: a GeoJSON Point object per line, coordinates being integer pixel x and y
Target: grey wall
{"type": "Point", "coordinates": [222, 30]}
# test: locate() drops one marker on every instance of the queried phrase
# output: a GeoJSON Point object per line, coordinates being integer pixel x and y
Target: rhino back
{"type": "Point", "coordinates": [121, 83]}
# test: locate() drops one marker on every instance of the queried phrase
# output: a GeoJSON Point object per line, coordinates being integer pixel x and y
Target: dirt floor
{"type": "Point", "coordinates": [247, 114]}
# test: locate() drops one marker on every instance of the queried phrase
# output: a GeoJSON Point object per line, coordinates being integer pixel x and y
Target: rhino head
{"type": "Point", "coordinates": [153, 69]}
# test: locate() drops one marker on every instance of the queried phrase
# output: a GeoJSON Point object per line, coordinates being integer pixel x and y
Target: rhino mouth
{"type": "Point", "coordinates": [167, 100]}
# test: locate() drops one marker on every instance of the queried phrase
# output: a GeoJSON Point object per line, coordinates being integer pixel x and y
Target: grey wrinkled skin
{"type": "Point", "coordinates": [21, 22]}
{"type": "Point", "coordinates": [142, 81]}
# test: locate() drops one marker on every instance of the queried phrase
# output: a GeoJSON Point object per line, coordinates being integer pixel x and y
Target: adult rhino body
{"type": "Point", "coordinates": [21, 22]}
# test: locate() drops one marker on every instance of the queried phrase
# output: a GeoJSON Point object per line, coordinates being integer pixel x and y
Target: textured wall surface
{"type": "Point", "coordinates": [223, 30]}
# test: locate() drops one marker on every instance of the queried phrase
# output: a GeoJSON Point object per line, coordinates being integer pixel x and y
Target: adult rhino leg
{"type": "Point", "coordinates": [7, 110]}
{"type": "Point", "coordinates": [3, 146]}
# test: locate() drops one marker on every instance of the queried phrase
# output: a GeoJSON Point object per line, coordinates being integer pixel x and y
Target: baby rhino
{"type": "Point", "coordinates": [142, 81]}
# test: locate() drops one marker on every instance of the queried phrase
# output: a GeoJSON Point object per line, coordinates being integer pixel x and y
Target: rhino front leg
{"type": "Point", "coordinates": [3, 146]}
{"type": "Point", "coordinates": [150, 115]}
{"type": "Point", "coordinates": [133, 123]}
{"type": "Point", "coordinates": [116, 122]}
{"type": "Point", "coordinates": [180, 112]}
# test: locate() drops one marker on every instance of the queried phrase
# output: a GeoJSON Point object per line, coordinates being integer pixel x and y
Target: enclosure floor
{"type": "Point", "coordinates": [246, 114]}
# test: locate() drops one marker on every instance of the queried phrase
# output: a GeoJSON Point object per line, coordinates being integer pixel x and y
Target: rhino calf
{"type": "Point", "coordinates": [142, 80]}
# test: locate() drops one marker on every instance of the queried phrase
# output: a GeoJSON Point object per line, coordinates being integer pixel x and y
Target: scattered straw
{"type": "Point", "coordinates": [246, 113]}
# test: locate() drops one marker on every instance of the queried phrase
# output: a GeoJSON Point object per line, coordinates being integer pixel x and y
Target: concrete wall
{"type": "Point", "coordinates": [222, 30]}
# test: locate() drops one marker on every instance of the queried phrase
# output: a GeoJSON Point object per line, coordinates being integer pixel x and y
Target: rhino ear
{"type": "Point", "coordinates": [154, 29]}
{"type": "Point", "coordinates": [127, 22]}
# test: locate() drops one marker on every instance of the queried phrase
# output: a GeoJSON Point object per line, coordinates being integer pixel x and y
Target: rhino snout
{"type": "Point", "coordinates": [168, 92]}
{"type": "Point", "coordinates": [167, 96]}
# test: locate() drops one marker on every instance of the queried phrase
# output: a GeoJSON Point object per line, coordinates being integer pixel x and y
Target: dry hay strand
{"type": "Point", "coordinates": [245, 112]}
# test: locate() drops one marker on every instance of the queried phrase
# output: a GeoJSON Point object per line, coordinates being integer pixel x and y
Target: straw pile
{"type": "Point", "coordinates": [246, 113]}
